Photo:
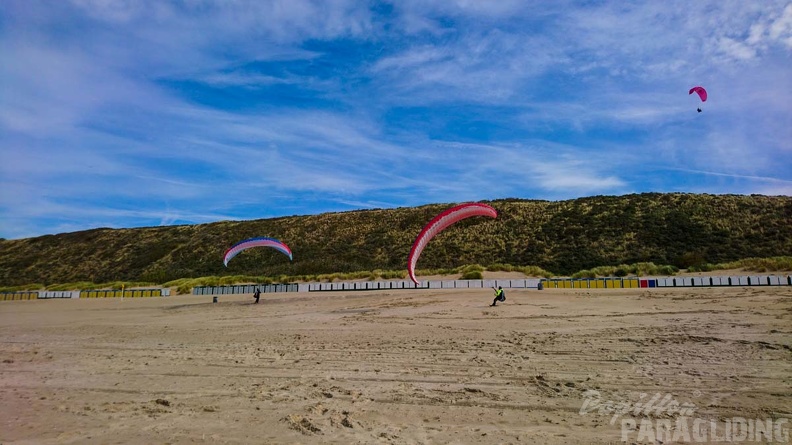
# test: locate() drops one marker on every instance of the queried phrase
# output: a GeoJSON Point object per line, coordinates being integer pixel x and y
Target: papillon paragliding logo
{"type": "Point", "coordinates": [702, 94]}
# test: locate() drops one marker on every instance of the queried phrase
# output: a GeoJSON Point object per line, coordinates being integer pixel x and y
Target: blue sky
{"type": "Point", "coordinates": [144, 113]}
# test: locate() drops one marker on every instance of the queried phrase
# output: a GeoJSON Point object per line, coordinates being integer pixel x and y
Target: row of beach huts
{"type": "Point", "coordinates": [528, 283]}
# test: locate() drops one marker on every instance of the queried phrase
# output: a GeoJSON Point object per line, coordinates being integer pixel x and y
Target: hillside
{"type": "Point", "coordinates": [560, 236]}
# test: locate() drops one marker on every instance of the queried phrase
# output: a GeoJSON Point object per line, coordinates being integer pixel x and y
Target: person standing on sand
{"type": "Point", "coordinates": [500, 295]}
{"type": "Point", "coordinates": [257, 294]}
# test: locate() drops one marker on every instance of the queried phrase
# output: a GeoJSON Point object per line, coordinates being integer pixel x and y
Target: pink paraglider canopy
{"type": "Point", "coordinates": [440, 223]}
{"type": "Point", "coordinates": [256, 242]}
{"type": "Point", "coordinates": [700, 91]}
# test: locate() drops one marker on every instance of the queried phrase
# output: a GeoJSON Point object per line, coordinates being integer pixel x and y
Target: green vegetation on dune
{"type": "Point", "coordinates": [774, 264]}
{"type": "Point", "coordinates": [87, 285]}
{"type": "Point", "coordinates": [23, 287]}
{"type": "Point", "coordinates": [467, 272]}
{"type": "Point", "coordinates": [581, 235]}
{"type": "Point", "coordinates": [623, 270]}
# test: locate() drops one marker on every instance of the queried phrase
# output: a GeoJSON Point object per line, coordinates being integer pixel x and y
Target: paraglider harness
{"type": "Point", "coordinates": [501, 294]}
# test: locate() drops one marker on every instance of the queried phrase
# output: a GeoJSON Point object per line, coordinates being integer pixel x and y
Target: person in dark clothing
{"type": "Point", "coordinates": [500, 295]}
{"type": "Point", "coordinates": [257, 294]}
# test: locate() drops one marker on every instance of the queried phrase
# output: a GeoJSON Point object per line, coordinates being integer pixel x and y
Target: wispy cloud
{"type": "Point", "coordinates": [764, 179]}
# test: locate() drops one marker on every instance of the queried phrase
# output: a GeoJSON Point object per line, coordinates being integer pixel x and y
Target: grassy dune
{"type": "Point", "coordinates": [649, 233]}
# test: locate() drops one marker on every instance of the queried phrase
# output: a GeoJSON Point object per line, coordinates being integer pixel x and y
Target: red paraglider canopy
{"type": "Point", "coordinates": [700, 91]}
{"type": "Point", "coordinates": [440, 223]}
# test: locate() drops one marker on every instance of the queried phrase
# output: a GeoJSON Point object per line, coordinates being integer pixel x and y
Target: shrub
{"type": "Point", "coordinates": [391, 274]}
{"type": "Point", "coordinates": [499, 267]}
{"type": "Point", "coordinates": [779, 263]}
{"type": "Point", "coordinates": [155, 276]}
{"type": "Point", "coordinates": [689, 259]}
{"type": "Point", "coordinates": [705, 267]}
{"type": "Point", "coordinates": [263, 280]}
{"type": "Point", "coordinates": [80, 285]}
{"type": "Point", "coordinates": [534, 271]}
{"type": "Point", "coordinates": [642, 269]}
{"type": "Point", "coordinates": [174, 283]}
{"type": "Point", "coordinates": [22, 287]}
{"type": "Point", "coordinates": [472, 275]}
{"type": "Point", "coordinates": [667, 270]}
{"type": "Point", "coordinates": [584, 274]}
{"type": "Point", "coordinates": [621, 271]}
{"type": "Point", "coordinates": [471, 268]}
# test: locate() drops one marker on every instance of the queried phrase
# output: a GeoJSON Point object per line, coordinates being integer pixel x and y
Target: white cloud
{"type": "Point", "coordinates": [763, 179]}
{"type": "Point", "coordinates": [578, 181]}
{"type": "Point", "coordinates": [737, 50]}
{"type": "Point", "coordinates": [413, 58]}
{"type": "Point", "coordinates": [243, 79]}
{"type": "Point", "coordinates": [781, 28]}
{"type": "Point", "coordinates": [281, 20]}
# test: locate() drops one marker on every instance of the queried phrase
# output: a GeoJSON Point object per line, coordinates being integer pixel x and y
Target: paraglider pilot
{"type": "Point", "coordinates": [699, 110]}
{"type": "Point", "coordinates": [499, 296]}
{"type": "Point", "coordinates": [257, 294]}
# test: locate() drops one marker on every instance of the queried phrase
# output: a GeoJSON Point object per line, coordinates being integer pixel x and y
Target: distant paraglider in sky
{"type": "Point", "coordinates": [440, 223]}
{"type": "Point", "coordinates": [256, 242]}
{"type": "Point", "coordinates": [702, 93]}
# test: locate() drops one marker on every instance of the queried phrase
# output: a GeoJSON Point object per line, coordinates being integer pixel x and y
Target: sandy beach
{"type": "Point", "coordinates": [413, 366]}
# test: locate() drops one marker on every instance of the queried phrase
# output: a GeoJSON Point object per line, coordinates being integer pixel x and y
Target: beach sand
{"type": "Point", "coordinates": [413, 366]}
